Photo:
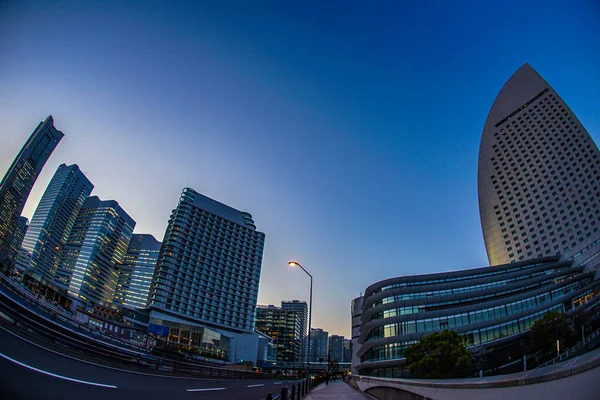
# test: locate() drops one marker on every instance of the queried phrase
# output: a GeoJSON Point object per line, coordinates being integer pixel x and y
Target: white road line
{"type": "Point", "coordinates": [203, 390]}
{"type": "Point", "coordinates": [259, 385]}
{"type": "Point", "coordinates": [54, 375]}
{"type": "Point", "coordinates": [277, 383]}
{"type": "Point", "coordinates": [105, 366]}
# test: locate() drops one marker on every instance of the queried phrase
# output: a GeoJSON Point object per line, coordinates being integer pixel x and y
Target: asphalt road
{"type": "Point", "coordinates": [30, 372]}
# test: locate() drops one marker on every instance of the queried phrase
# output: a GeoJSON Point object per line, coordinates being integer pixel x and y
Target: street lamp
{"type": "Point", "coordinates": [296, 264]}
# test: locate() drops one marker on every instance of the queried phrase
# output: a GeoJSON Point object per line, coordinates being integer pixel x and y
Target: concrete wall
{"type": "Point", "coordinates": [578, 378]}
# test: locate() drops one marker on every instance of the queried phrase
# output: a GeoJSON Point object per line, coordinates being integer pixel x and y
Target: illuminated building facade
{"type": "Point", "coordinates": [488, 307]}
{"type": "Point", "coordinates": [52, 222]}
{"type": "Point", "coordinates": [96, 247]}
{"type": "Point", "coordinates": [135, 275]}
{"type": "Point", "coordinates": [20, 177]}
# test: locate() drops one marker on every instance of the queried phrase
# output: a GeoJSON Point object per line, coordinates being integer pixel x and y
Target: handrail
{"type": "Point", "coordinates": [570, 351]}
{"type": "Point", "coordinates": [41, 328]}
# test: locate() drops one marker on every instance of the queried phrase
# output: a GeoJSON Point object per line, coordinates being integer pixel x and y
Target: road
{"type": "Point", "coordinates": [30, 372]}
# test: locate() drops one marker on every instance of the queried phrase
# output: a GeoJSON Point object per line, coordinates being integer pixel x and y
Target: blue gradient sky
{"type": "Point", "coordinates": [349, 130]}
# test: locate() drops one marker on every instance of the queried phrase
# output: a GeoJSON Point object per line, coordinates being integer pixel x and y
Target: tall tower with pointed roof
{"type": "Point", "coordinates": [538, 176]}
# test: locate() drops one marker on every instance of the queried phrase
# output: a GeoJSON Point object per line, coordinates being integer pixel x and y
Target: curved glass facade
{"type": "Point", "coordinates": [484, 306]}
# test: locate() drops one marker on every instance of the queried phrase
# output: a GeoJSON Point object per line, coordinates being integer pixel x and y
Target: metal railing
{"type": "Point", "coordinates": [34, 320]}
{"type": "Point", "coordinates": [565, 355]}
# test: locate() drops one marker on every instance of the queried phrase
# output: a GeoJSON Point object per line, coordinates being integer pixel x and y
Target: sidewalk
{"type": "Point", "coordinates": [338, 390]}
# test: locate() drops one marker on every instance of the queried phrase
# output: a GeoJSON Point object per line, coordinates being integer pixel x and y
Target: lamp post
{"type": "Point", "coordinates": [295, 264]}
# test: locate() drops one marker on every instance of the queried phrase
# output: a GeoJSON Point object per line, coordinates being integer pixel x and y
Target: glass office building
{"type": "Point", "coordinates": [97, 244]}
{"type": "Point", "coordinates": [301, 308]}
{"type": "Point", "coordinates": [52, 222]}
{"type": "Point", "coordinates": [285, 328]}
{"type": "Point", "coordinates": [17, 240]}
{"type": "Point", "coordinates": [135, 275]}
{"type": "Point", "coordinates": [486, 306]}
{"type": "Point", "coordinates": [20, 177]}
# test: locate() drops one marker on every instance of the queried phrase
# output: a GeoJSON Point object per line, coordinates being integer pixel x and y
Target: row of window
{"type": "Point", "coordinates": [473, 317]}
{"type": "Point", "coordinates": [445, 292]}
{"type": "Point", "coordinates": [392, 351]}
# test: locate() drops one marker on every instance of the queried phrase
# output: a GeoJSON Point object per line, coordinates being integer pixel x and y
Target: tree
{"type": "Point", "coordinates": [439, 356]}
{"type": "Point", "coordinates": [547, 330]}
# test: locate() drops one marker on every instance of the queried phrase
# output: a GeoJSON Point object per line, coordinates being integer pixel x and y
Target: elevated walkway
{"type": "Point", "coordinates": [577, 378]}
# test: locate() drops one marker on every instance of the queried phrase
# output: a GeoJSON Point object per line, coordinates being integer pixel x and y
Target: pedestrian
{"type": "Point", "coordinates": [326, 379]}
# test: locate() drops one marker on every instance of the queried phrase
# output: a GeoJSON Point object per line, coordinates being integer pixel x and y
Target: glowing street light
{"type": "Point", "coordinates": [297, 264]}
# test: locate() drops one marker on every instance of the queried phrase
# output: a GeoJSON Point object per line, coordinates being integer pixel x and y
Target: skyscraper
{"type": "Point", "coordinates": [52, 222]}
{"type": "Point", "coordinates": [285, 327]}
{"type": "Point", "coordinates": [300, 308]}
{"type": "Point", "coordinates": [96, 247]}
{"type": "Point", "coordinates": [319, 343]}
{"type": "Point", "coordinates": [22, 174]}
{"type": "Point", "coordinates": [208, 268]}
{"type": "Point", "coordinates": [336, 348]}
{"type": "Point", "coordinates": [347, 350]}
{"type": "Point", "coordinates": [135, 275]}
{"type": "Point", "coordinates": [17, 240]}
{"type": "Point", "coordinates": [538, 176]}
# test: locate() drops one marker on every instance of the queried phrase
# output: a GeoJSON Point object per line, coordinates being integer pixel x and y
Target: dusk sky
{"type": "Point", "coordinates": [350, 130]}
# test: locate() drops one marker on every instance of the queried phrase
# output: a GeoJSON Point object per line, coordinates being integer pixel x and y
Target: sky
{"type": "Point", "coordinates": [350, 130]}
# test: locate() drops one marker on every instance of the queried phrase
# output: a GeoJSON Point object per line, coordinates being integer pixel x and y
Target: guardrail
{"type": "Point", "coordinates": [571, 351]}
{"type": "Point", "coordinates": [35, 320]}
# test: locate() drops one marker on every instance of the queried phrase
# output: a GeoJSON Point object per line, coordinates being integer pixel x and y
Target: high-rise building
{"type": "Point", "coordinates": [137, 270]}
{"type": "Point", "coordinates": [336, 348]}
{"type": "Point", "coordinates": [208, 271]}
{"type": "Point", "coordinates": [20, 177]}
{"type": "Point", "coordinates": [301, 308]}
{"type": "Point", "coordinates": [538, 177]}
{"type": "Point", "coordinates": [209, 265]}
{"type": "Point", "coordinates": [284, 327]}
{"type": "Point", "coordinates": [97, 244]}
{"type": "Point", "coordinates": [17, 240]}
{"type": "Point", "coordinates": [347, 350]}
{"type": "Point", "coordinates": [319, 343]}
{"type": "Point", "coordinates": [52, 222]}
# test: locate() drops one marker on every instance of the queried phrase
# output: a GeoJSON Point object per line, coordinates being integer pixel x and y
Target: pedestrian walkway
{"type": "Point", "coordinates": [336, 390]}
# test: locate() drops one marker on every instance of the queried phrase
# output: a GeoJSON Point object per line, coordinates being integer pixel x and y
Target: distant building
{"type": "Point", "coordinates": [347, 351]}
{"type": "Point", "coordinates": [319, 343]}
{"type": "Point", "coordinates": [207, 273]}
{"type": "Point", "coordinates": [135, 275]}
{"type": "Point", "coordinates": [17, 240]}
{"type": "Point", "coordinates": [52, 222]}
{"type": "Point", "coordinates": [301, 308]}
{"type": "Point", "coordinates": [538, 177]}
{"type": "Point", "coordinates": [97, 244]}
{"type": "Point", "coordinates": [336, 348]}
{"type": "Point", "coordinates": [20, 177]}
{"type": "Point", "coordinates": [284, 327]}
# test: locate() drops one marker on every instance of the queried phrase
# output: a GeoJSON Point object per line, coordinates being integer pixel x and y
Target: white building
{"type": "Point", "coordinates": [207, 274]}
{"type": "Point", "coordinates": [538, 177]}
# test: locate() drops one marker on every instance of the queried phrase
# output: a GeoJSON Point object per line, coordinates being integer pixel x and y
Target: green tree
{"type": "Point", "coordinates": [439, 356]}
{"type": "Point", "coordinates": [547, 330]}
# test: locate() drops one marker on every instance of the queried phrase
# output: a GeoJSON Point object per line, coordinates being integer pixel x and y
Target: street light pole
{"type": "Point", "coordinates": [295, 264]}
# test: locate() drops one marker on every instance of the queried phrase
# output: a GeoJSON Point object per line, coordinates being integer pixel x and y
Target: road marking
{"type": "Point", "coordinates": [103, 366]}
{"type": "Point", "coordinates": [259, 385]}
{"type": "Point", "coordinates": [55, 375]}
{"type": "Point", "coordinates": [203, 390]}
{"type": "Point", "coordinates": [277, 383]}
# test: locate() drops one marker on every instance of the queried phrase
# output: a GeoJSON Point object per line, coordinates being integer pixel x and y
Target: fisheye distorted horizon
{"type": "Point", "coordinates": [350, 131]}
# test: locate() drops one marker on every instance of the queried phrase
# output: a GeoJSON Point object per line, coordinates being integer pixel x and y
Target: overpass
{"type": "Point", "coordinates": [577, 378]}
